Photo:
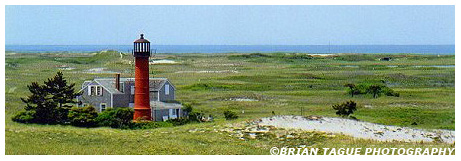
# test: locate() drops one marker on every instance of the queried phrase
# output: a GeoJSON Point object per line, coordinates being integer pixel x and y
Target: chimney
{"type": "Point", "coordinates": [117, 81]}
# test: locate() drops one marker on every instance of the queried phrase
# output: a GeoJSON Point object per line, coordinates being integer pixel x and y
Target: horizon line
{"type": "Point", "coordinates": [241, 44]}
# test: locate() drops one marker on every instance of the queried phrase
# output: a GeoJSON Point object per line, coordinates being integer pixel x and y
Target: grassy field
{"type": "Point", "coordinates": [280, 82]}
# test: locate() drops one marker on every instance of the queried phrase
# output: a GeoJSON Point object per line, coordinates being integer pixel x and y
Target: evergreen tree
{"type": "Point", "coordinates": [40, 101]}
{"type": "Point", "coordinates": [63, 94]}
{"type": "Point", "coordinates": [50, 102]}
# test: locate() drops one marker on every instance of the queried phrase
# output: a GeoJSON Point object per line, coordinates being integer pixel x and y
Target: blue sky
{"type": "Point", "coordinates": [230, 25]}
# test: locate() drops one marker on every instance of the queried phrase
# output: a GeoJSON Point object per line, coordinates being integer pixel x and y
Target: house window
{"type": "Point", "coordinates": [102, 107]}
{"type": "Point", "coordinates": [132, 89]}
{"type": "Point", "coordinates": [91, 90]}
{"type": "Point", "coordinates": [122, 87]}
{"type": "Point", "coordinates": [167, 89]}
{"type": "Point", "coordinates": [95, 90]}
{"type": "Point", "coordinates": [164, 118]}
{"type": "Point", "coordinates": [98, 90]}
{"type": "Point", "coordinates": [173, 112]}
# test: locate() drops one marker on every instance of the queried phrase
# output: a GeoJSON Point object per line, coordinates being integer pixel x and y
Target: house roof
{"type": "Point", "coordinates": [155, 84]}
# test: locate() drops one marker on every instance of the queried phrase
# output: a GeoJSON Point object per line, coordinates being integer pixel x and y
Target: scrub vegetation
{"type": "Point", "coordinates": [251, 86]}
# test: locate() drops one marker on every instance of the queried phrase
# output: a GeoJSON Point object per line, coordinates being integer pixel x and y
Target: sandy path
{"type": "Point", "coordinates": [360, 129]}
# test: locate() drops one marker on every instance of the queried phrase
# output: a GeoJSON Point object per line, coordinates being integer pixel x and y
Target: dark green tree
{"type": "Point", "coordinates": [51, 101]}
{"type": "Point", "coordinates": [352, 89]}
{"type": "Point", "coordinates": [346, 108]}
{"type": "Point", "coordinates": [375, 90]}
{"type": "Point", "coordinates": [41, 103]}
{"type": "Point", "coordinates": [63, 94]}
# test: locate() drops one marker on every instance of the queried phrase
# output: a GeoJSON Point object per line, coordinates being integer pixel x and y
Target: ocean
{"type": "Point", "coordinates": [321, 49]}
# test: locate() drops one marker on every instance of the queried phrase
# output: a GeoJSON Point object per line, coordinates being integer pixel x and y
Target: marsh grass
{"type": "Point", "coordinates": [280, 82]}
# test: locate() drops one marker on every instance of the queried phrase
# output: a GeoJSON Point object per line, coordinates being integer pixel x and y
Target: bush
{"type": "Point", "coordinates": [191, 116]}
{"type": "Point", "coordinates": [149, 124]}
{"type": "Point", "coordinates": [178, 121]}
{"type": "Point", "coordinates": [346, 108]}
{"type": "Point", "coordinates": [389, 92]}
{"type": "Point", "coordinates": [362, 88]}
{"type": "Point", "coordinates": [362, 57]}
{"type": "Point", "coordinates": [24, 117]}
{"type": "Point", "coordinates": [124, 115]}
{"type": "Point", "coordinates": [252, 55]}
{"type": "Point", "coordinates": [353, 90]}
{"type": "Point", "coordinates": [187, 108]}
{"type": "Point", "coordinates": [195, 116]}
{"type": "Point", "coordinates": [83, 117]}
{"type": "Point", "coordinates": [105, 118]}
{"type": "Point", "coordinates": [375, 89]}
{"type": "Point", "coordinates": [116, 118]}
{"type": "Point", "coordinates": [230, 115]}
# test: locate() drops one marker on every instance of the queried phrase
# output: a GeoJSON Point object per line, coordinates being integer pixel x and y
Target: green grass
{"type": "Point", "coordinates": [283, 83]}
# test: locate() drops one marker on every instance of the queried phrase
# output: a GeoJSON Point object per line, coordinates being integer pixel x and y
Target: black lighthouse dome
{"type": "Point", "coordinates": [142, 40]}
{"type": "Point", "coordinates": [141, 47]}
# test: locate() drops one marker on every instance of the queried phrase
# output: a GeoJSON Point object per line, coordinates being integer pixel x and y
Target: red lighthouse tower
{"type": "Point", "coordinates": [141, 53]}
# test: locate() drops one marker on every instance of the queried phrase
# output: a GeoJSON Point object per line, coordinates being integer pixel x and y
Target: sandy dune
{"type": "Point", "coordinates": [360, 129]}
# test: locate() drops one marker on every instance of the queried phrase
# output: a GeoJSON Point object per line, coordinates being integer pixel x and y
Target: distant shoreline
{"type": "Point", "coordinates": [313, 49]}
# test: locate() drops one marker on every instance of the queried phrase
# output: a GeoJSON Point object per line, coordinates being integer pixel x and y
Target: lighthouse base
{"type": "Point", "coordinates": [142, 114]}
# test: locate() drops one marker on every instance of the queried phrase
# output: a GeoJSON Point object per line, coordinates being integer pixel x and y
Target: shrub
{"type": "Point", "coordinates": [83, 117]}
{"type": "Point", "coordinates": [191, 116]}
{"type": "Point", "coordinates": [195, 116]}
{"type": "Point", "coordinates": [346, 108]}
{"type": "Point", "coordinates": [362, 57]}
{"type": "Point", "coordinates": [124, 115]}
{"type": "Point", "coordinates": [105, 118]}
{"type": "Point", "coordinates": [116, 118]}
{"type": "Point", "coordinates": [208, 86]}
{"type": "Point", "coordinates": [389, 92]}
{"type": "Point", "coordinates": [24, 117]}
{"type": "Point", "coordinates": [297, 56]}
{"type": "Point", "coordinates": [352, 89]}
{"type": "Point", "coordinates": [178, 121]}
{"type": "Point", "coordinates": [230, 115]}
{"type": "Point", "coordinates": [362, 88]}
{"type": "Point", "coordinates": [252, 55]}
{"type": "Point", "coordinates": [375, 89]}
{"type": "Point", "coordinates": [149, 124]}
{"type": "Point", "coordinates": [187, 108]}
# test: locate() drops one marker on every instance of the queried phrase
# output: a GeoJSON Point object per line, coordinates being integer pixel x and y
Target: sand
{"type": "Point", "coordinates": [360, 129]}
